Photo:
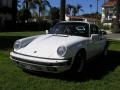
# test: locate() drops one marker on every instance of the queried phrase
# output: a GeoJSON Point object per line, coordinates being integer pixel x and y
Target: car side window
{"type": "Point", "coordinates": [94, 29]}
{"type": "Point", "coordinates": [83, 30]}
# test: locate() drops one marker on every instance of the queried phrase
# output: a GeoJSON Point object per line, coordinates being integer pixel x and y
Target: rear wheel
{"type": "Point", "coordinates": [105, 51]}
{"type": "Point", "coordinates": [79, 62]}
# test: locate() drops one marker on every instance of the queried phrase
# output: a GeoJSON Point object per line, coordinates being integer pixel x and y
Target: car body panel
{"type": "Point", "coordinates": [43, 49]}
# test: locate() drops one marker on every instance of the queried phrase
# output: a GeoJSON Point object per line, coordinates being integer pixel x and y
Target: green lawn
{"type": "Point", "coordinates": [102, 74]}
{"type": "Point", "coordinates": [21, 33]}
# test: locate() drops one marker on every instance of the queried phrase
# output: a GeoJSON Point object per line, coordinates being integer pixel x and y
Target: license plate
{"type": "Point", "coordinates": [33, 68]}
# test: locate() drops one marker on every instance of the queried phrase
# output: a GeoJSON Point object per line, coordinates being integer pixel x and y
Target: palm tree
{"type": "Point", "coordinates": [62, 9]}
{"type": "Point", "coordinates": [42, 6]}
{"type": "Point", "coordinates": [54, 13]}
{"type": "Point", "coordinates": [27, 3]}
{"type": "Point", "coordinates": [14, 10]}
{"type": "Point", "coordinates": [73, 10]}
{"type": "Point", "coordinates": [90, 7]}
{"type": "Point", "coordinates": [97, 6]}
{"type": "Point", "coordinates": [68, 9]}
{"type": "Point", "coordinates": [79, 8]}
{"type": "Point", "coordinates": [46, 3]}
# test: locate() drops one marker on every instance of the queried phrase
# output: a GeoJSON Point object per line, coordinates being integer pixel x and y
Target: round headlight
{"type": "Point", "coordinates": [61, 51]}
{"type": "Point", "coordinates": [17, 45]}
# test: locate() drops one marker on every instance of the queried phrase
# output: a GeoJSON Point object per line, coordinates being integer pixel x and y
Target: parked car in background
{"type": "Point", "coordinates": [67, 46]}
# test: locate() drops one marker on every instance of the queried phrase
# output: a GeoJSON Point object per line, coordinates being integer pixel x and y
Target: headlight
{"type": "Point", "coordinates": [17, 45]}
{"type": "Point", "coordinates": [61, 51]}
{"type": "Point", "coordinates": [21, 43]}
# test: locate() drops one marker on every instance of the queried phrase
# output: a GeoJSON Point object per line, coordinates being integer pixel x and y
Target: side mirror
{"type": "Point", "coordinates": [104, 32]}
{"type": "Point", "coordinates": [94, 37]}
{"type": "Point", "coordinates": [46, 31]}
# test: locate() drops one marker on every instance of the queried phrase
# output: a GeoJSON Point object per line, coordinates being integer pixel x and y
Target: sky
{"type": "Point", "coordinates": [85, 4]}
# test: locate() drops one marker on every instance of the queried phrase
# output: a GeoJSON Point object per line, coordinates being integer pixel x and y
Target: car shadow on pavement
{"type": "Point", "coordinates": [94, 70]}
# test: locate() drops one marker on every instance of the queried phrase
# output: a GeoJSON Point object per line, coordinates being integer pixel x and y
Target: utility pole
{"type": "Point", "coordinates": [62, 10]}
{"type": "Point", "coordinates": [14, 10]}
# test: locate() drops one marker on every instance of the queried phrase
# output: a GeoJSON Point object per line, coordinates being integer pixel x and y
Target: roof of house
{"type": "Point", "coordinates": [82, 18]}
{"type": "Point", "coordinates": [110, 3]}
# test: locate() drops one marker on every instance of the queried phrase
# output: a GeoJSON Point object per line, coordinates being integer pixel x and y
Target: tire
{"type": "Point", "coordinates": [78, 63]}
{"type": "Point", "coordinates": [105, 52]}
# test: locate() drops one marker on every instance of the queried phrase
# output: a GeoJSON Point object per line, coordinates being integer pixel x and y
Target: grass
{"type": "Point", "coordinates": [8, 38]}
{"type": "Point", "coordinates": [21, 33]}
{"type": "Point", "coordinates": [102, 74]}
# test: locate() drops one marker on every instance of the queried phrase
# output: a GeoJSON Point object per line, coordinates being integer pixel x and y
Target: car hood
{"type": "Point", "coordinates": [46, 45]}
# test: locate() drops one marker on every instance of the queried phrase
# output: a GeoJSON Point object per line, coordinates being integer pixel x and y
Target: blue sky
{"type": "Point", "coordinates": [84, 3]}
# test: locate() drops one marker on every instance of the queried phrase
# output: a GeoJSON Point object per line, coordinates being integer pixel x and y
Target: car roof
{"type": "Point", "coordinates": [76, 22]}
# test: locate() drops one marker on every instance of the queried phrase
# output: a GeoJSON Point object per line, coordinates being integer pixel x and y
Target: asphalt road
{"type": "Point", "coordinates": [112, 36]}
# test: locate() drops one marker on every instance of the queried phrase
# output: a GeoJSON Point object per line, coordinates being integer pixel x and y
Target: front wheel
{"type": "Point", "coordinates": [78, 63]}
{"type": "Point", "coordinates": [105, 50]}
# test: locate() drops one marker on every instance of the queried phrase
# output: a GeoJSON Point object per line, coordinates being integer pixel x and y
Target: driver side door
{"type": "Point", "coordinates": [93, 43]}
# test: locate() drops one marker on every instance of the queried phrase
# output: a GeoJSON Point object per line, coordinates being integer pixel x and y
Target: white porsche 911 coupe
{"type": "Point", "coordinates": [66, 46]}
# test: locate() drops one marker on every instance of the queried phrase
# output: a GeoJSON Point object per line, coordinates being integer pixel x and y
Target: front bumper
{"type": "Point", "coordinates": [40, 64]}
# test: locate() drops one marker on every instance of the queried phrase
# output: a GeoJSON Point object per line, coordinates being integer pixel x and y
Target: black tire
{"type": "Point", "coordinates": [78, 63]}
{"type": "Point", "coordinates": [105, 51]}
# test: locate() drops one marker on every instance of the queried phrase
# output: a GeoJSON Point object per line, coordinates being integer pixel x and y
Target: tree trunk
{"type": "Point", "coordinates": [62, 10]}
{"type": "Point", "coordinates": [14, 10]}
{"type": "Point", "coordinates": [97, 7]}
{"type": "Point", "coordinates": [116, 20]}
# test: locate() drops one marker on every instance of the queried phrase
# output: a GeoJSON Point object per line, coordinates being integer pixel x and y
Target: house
{"type": "Point", "coordinates": [82, 18]}
{"type": "Point", "coordinates": [108, 12]}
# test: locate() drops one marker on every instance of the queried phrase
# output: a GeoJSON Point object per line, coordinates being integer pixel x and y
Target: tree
{"type": "Point", "coordinates": [42, 6]}
{"type": "Point", "coordinates": [118, 15]}
{"type": "Point", "coordinates": [28, 4]}
{"type": "Point", "coordinates": [79, 8]}
{"type": "Point", "coordinates": [62, 9]}
{"type": "Point", "coordinates": [68, 9]}
{"type": "Point", "coordinates": [46, 3]}
{"type": "Point", "coordinates": [97, 6]}
{"type": "Point", "coordinates": [14, 10]}
{"type": "Point", "coordinates": [73, 10]}
{"type": "Point", "coordinates": [116, 24]}
{"type": "Point", "coordinates": [24, 15]}
{"type": "Point", "coordinates": [90, 7]}
{"type": "Point", "coordinates": [55, 13]}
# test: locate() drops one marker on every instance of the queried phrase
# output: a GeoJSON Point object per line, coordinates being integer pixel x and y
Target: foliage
{"type": "Point", "coordinates": [55, 13]}
{"type": "Point", "coordinates": [24, 15]}
{"type": "Point", "coordinates": [73, 10]}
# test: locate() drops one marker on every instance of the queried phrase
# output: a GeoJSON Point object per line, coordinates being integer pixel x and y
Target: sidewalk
{"type": "Point", "coordinates": [113, 36]}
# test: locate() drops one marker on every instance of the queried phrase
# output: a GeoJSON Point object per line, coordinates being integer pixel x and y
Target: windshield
{"type": "Point", "coordinates": [77, 29]}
